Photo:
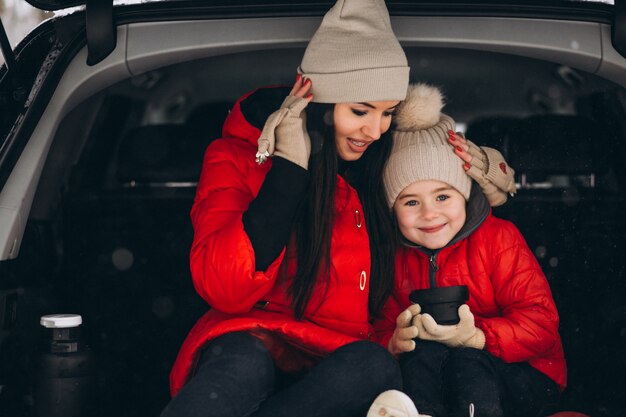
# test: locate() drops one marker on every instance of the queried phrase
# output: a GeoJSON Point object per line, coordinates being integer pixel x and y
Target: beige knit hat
{"type": "Point", "coordinates": [354, 56]}
{"type": "Point", "coordinates": [420, 148]}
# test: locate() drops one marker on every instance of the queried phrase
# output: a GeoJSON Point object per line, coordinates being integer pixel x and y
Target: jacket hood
{"type": "Point", "coordinates": [477, 210]}
{"type": "Point", "coordinates": [250, 112]}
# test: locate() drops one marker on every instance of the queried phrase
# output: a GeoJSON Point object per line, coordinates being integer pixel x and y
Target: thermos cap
{"type": "Point", "coordinates": [60, 321]}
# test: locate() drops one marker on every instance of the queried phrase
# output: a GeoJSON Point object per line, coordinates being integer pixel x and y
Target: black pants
{"type": "Point", "coordinates": [236, 377]}
{"type": "Point", "coordinates": [443, 382]}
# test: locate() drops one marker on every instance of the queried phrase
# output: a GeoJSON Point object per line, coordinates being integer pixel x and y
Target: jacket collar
{"type": "Point", "coordinates": [250, 112]}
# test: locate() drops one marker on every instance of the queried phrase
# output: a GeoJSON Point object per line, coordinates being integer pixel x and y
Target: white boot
{"type": "Point", "coordinates": [393, 403]}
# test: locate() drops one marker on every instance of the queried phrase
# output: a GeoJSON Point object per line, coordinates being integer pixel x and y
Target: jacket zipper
{"type": "Point", "coordinates": [432, 270]}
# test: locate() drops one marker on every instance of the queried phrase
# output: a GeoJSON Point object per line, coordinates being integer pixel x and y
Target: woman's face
{"type": "Point", "coordinates": [358, 125]}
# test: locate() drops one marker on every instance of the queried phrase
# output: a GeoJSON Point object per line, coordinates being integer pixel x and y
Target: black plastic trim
{"type": "Point", "coordinates": [193, 9]}
{"type": "Point", "coordinates": [618, 29]}
{"type": "Point", "coordinates": [14, 144]}
{"type": "Point", "coordinates": [566, 9]}
{"type": "Point", "coordinates": [101, 32]}
{"type": "Point", "coordinates": [5, 46]}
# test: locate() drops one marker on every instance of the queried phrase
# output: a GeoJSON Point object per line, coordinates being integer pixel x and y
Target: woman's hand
{"type": "Point", "coordinates": [461, 148]}
{"type": "Point", "coordinates": [402, 339]}
{"type": "Point", "coordinates": [301, 88]}
{"type": "Point", "coordinates": [284, 133]}
{"type": "Point", "coordinates": [487, 167]}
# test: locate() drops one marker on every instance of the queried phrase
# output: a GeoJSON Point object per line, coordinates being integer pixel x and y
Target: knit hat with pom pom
{"type": "Point", "coordinates": [420, 148]}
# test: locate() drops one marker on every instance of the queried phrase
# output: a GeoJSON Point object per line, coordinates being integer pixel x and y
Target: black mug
{"type": "Point", "coordinates": [442, 303]}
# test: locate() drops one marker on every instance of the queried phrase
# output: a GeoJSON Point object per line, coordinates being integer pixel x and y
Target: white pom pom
{"type": "Point", "coordinates": [421, 109]}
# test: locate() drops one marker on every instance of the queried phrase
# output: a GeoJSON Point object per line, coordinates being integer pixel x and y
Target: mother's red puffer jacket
{"type": "Point", "coordinates": [244, 299]}
{"type": "Point", "coordinates": [509, 294]}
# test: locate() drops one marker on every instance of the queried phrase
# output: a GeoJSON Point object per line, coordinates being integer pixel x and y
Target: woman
{"type": "Point", "coordinates": [283, 247]}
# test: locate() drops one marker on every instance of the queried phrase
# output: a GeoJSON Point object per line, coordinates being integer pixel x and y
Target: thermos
{"type": "Point", "coordinates": [65, 377]}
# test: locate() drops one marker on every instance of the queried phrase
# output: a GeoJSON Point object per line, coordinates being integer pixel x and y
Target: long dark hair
{"type": "Point", "coordinates": [314, 223]}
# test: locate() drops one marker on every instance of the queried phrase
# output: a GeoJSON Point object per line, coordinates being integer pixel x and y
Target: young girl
{"type": "Point", "coordinates": [288, 250]}
{"type": "Point", "coordinates": [504, 357]}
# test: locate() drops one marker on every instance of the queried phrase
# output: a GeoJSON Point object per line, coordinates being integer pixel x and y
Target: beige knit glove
{"type": "Point", "coordinates": [462, 334]}
{"type": "Point", "coordinates": [490, 170]}
{"type": "Point", "coordinates": [402, 339]}
{"type": "Point", "coordinates": [285, 134]}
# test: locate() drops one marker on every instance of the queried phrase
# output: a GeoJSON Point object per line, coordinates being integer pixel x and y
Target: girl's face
{"type": "Point", "coordinates": [358, 125]}
{"type": "Point", "coordinates": [430, 213]}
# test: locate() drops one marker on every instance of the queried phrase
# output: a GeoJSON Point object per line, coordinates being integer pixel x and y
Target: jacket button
{"type": "Point", "coordinates": [357, 218]}
{"type": "Point", "coordinates": [362, 280]}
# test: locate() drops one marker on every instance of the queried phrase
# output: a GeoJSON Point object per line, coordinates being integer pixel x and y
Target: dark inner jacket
{"type": "Point", "coordinates": [270, 216]}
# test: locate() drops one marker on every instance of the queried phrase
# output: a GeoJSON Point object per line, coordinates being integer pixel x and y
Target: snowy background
{"type": "Point", "coordinates": [19, 18]}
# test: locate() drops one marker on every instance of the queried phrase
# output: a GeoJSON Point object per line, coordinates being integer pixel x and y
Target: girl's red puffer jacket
{"type": "Point", "coordinates": [509, 294]}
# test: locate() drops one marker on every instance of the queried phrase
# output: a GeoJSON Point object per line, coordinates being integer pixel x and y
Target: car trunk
{"type": "Point", "coordinates": [108, 233]}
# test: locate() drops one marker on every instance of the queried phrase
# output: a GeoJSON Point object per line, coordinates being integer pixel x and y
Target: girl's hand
{"type": "Point", "coordinates": [402, 339]}
{"type": "Point", "coordinates": [284, 133]}
{"type": "Point", "coordinates": [463, 334]}
{"type": "Point", "coordinates": [487, 167]}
